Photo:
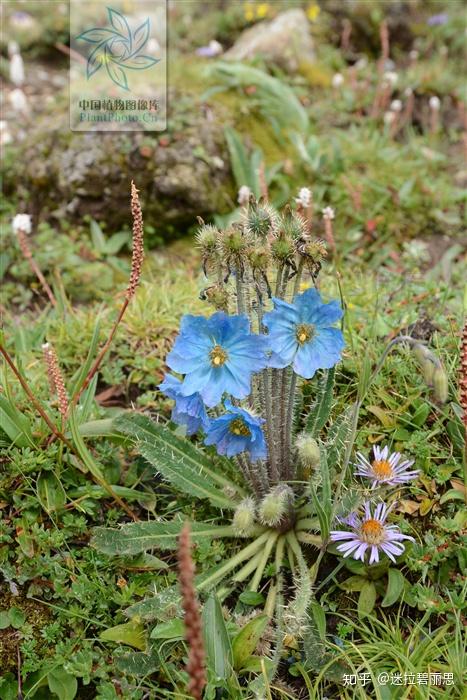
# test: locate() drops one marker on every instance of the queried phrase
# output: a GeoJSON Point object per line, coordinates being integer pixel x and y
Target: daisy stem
{"type": "Point", "coordinates": [256, 580]}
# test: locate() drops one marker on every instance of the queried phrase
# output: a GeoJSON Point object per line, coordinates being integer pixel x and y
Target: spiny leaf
{"type": "Point", "coordinates": [321, 409]}
{"type": "Point", "coordinates": [139, 537]}
{"type": "Point", "coordinates": [176, 459]}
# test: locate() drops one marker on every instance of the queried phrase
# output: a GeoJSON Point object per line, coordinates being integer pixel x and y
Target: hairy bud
{"type": "Point", "coordinates": [275, 505]}
{"type": "Point", "coordinates": [282, 248]}
{"type": "Point", "coordinates": [428, 362]}
{"type": "Point", "coordinates": [259, 257]}
{"type": "Point", "coordinates": [244, 517]}
{"type": "Point", "coordinates": [440, 384]}
{"type": "Point", "coordinates": [233, 242]}
{"type": "Point", "coordinates": [308, 451]}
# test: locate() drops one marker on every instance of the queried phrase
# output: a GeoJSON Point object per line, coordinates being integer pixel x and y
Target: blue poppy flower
{"type": "Point", "coordinates": [188, 410]}
{"type": "Point", "coordinates": [217, 355]}
{"type": "Point", "coordinates": [237, 431]}
{"type": "Point", "coordinates": [301, 333]}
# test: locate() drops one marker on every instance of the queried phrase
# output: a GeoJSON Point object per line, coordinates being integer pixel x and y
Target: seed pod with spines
{"type": "Point", "coordinates": [244, 517]}
{"type": "Point", "coordinates": [218, 296]}
{"type": "Point", "coordinates": [233, 244]}
{"type": "Point", "coordinates": [282, 248]}
{"type": "Point", "coordinates": [261, 220]}
{"type": "Point", "coordinates": [259, 257]}
{"type": "Point", "coordinates": [207, 238]}
{"type": "Point", "coordinates": [293, 225]}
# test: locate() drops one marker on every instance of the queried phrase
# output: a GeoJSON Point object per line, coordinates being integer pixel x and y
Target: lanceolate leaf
{"type": "Point", "coordinates": [216, 639]}
{"type": "Point", "coordinates": [139, 537]}
{"type": "Point", "coordinates": [177, 460]}
{"type": "Point", "coordinates": [321, 409]}
{"type": "Point", "coordinates": [396, 585]}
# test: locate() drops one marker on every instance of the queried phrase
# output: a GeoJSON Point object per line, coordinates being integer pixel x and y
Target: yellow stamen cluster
{"type": "Point", "coordinates": [304, 332]}
{"type": "Point", "coordinates": [382, 469]}
{"type": "Point", "coordinates": [218, 356]}
{"type": "Point", "coordinates": [239, 427]}
{"type": "Point", "coordinates": [372, 531]}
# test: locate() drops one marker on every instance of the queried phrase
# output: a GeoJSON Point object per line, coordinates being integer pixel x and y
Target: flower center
{"type": "Point", "coordinates": [304, 332]}
{"type": "Point", "coordinates": [239, 427]}
{"type": "Point", "coordinates": [382, 469]}
{"type": "Point", "coordinates": [372, 531]}
{"type": "Point", "coordinates": [218, 356]}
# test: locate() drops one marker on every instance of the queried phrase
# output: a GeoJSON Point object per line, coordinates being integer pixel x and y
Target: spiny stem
{"type": "Point", "coordinates": [288, 427]}
{"type": "Point", "coordinates": [274, 587]}
{"type": "Point", "coordinates": [248, 569]}
{"type": "Point", "coordinates": [239, 288]}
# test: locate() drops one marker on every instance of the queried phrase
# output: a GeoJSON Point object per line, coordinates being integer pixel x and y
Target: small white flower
{"type": "Point", "coordinates": [408, 92]}
{"type": "Point", "coordinates": [22, 222]}
{"type": "Point", "coordinates": [396, 106]}
{"type": "Point", "coordinates": [435, 103]}
{"type": "Point", "coordinates": [337, 80]}
{"type": "Point", "coordinates": [305, 197]}
{"type": "Point", "coordinates": [16, 69]}
{"type": "Point", "coordinates": [389, 117]}
{"type": "Point", "coordinates": [18, 101]}
{"type": "Point", "coordinates": [390, 77]}
{"type": "Point", "coordinates": [329, 213]}
{"type": "Point", "coordinates": [413, 55]}
{"type": "Point", "coordinates": [243, 195]}
{"type": "Point", "coordinates": [361, 63]}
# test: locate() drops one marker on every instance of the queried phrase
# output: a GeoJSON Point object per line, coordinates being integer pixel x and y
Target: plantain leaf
{"type": "Point", "coordinates": [130, 633]}
{"type": "Point", "coordinates": [396, 585]}
{"type": "Point", "coordinates": [246, 641]}
{"type": "Point", "coordinates": [139, 537]}
{"type": "Point", "coordinates": [15, 424]}
{"type": "Point", "coordinates": [216, 639]}
{"type": "Point", "coordinates": [50, 492]}
{"type": "Point", "coordinates": [366, 599]}
{"type": "Point", "coordinates": [180, 462]}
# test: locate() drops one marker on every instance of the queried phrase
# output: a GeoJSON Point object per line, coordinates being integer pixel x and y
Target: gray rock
{"type": "Point", "coordinates": [286, 41]}
{"type": "Point", "coordinates": [180, 174]}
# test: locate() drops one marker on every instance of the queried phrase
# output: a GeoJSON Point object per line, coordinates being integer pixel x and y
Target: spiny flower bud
{"type": "Point", "coordinates": [244, 517]}
{"type": "Point", "coordinates": [261, 219]}
{"type": "Point", "coordinates": [308, 451]}
{"type": "Point", "coordinates": [440, 384]}
{"type": "Point", "coordinates": [216, 295]}
{"type": "Point", "coordinates": [275, 505]}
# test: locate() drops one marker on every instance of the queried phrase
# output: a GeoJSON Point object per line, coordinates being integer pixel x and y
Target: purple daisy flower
{"type": "Point", "coordinates": [385, 468]}
{"type": "Point", "coordinates": [370, 532]}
